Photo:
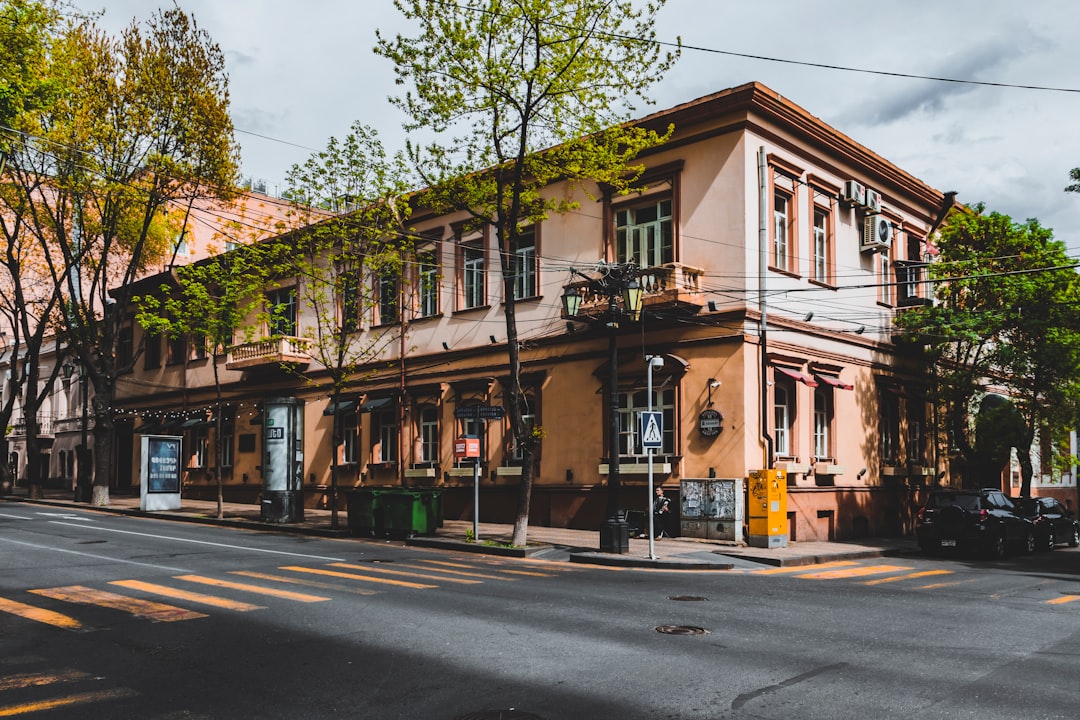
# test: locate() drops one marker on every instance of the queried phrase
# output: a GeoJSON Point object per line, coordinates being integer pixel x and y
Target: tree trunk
{"type": "Point", "coordinates": [103, 450]}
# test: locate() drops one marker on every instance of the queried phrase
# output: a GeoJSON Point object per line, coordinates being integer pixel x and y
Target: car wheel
{"type": "Point", "coordinates": [997, 546]}
{"type": "Point", "coordinates": [1029, 543]}
{"type": "Point", "coordinates": [1050, 540]}
{"type": "Point", "coordinates": [1075, 539]}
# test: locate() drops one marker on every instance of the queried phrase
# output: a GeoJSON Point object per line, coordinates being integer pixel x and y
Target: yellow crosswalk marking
{"type": "Point", "coordinates": [804, 568]}
{"type": "Point", "coordinates": [908, 576]}
{"type": "Point", "coordinates": [470, 567]}
{"type": "Point", "coordinates": [1063, 599]}
{"type": "Point", "coordinates": [362, 578]}
{"type": "Point", "coordinates": [258, 589]}
{"type": "Point", "coordinates": [526, 572]}
{"type": "Point", "coordinates": [158, 612]}
{"type": "Point", "coordinates": [178, 594]}
{"type": "Point", "coordinates": [305, 583]}
{"type": "Point", "coordinates": [78, 699]}
{"type": "Point", "coordinates": [842, 573]}
{"type": "Point", "coordinates": [389, 571]}
{"type": "Point", "coordinates": [29, 680]}
{"type": "Point", "coordinates": [37, 614]}
{"type": "Point", "coordinates": [483, 576]}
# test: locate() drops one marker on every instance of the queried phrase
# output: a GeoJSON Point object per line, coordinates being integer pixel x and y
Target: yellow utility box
{"type": "Point", "coordinates": [767, 514]}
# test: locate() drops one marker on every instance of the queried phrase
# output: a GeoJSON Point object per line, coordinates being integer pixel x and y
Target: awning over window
{"type": "Point", "coordinates": [378, 403]}
{"type": "Point", "coordinates": [802, 377]}
{"type": "Point", "coordinates": [195, 422]}
{"type": "Point", "coordinates": [341, 407]}
{"type": "Point", "coordinates": [833, 381]}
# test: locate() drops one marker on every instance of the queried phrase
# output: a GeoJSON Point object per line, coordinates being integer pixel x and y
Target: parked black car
{"type": "Point", "coordinates": [983, 519]}
{"type": "Point", "coordinates": [1052, 522]}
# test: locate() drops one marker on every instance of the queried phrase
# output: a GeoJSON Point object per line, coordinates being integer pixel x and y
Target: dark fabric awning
{"type": "Point", "coordinates": [195, 422]}
{"type": "Point", "coordinates": [341, 407]}
{"type": "Point", "coordinates": [802, 377]}
{"type": "Point", "coordinates": [833, 381]}
{"type": "Point", "coordinates": [378, 403]}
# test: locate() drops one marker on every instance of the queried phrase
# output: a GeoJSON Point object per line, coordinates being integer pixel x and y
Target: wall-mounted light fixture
{"type": "Point", "coordinates": [860, 474]}
{"type": "Point", "coordinates": [809, 317]}
{"type": "Point", "coordinates": [445, 345]}
{"type": "Point", "coordinates": [492, 338]}
{"type": "Point", "coordinates": [713, 384]}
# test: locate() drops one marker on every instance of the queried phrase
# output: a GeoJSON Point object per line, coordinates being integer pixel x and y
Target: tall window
{"type": "Point", "coordinates": [916, 431]}
{"type": "Point", "coordinates": [644, 233]}
{"type": "Point", "coordinates": [226, 447]}
{"type": "Point", "coordinates": [429, 434]}
{"type": "Point", "coordinates": [176, 349]}
{"type": "Point", "coordinates": [152, 351]}
{"type": "Point", "coordinates": [388, 296]}
{"type": "Point", "coordinates": [783, 417]}
{"type": "Point", "coordinates": [823, 415]}
{"type": "Point", "coordinates": [781, 229]}
{"type": "Point", "coordinates": [199, 447]}
{"type": "Point", "coordinates": [636, 401]}
{"type": "Point", "coordinates": [886, 280]}
{"type": "Point", "coordinates": [350, 434]}
{"type": "Point", "coordinates": [428, 284]}
{"type": "Point", "coordinates": [473, 287]}
{"type": "Point", "coordinates": [525, 265]}
{"type": "Point", "coordinates": [349, 287]}
{"type": "Point", "coordinates": [386, 435]}
{"type": "Point", "coordinates": [890, 427]}
{"type": "Point", "coordinates": [822, 240]}
{"type": "Point", "coordinates": [529, 417]}
{"type": "Point", "coordinates": [282, 306]}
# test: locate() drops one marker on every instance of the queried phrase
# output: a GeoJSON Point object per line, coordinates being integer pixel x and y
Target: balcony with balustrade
{"type": "Point", "coordinates": [278, 351]}
{"type": "Point", "coordinates": [671, 286]}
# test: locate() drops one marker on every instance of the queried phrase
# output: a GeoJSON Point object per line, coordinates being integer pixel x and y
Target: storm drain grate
{"type": "Point", "coordinates": [687, 598]}
{"type": "Point", "coordinates": [510, 714]}
{"type": "Point", "coordinates": [681, 630]}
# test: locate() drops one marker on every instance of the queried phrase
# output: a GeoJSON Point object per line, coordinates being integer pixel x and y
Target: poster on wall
{"type": "Point", "coordinates": [160, 472]}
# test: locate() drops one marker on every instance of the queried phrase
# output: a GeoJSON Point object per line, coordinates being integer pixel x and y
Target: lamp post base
{"type": "Point", "coordinates": [615, 536]}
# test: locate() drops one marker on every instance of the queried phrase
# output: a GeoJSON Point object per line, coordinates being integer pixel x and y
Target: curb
{"type": "Point", "coordinates": [473, 547]}
{"type": "Point", "coordinates": [610, 560]}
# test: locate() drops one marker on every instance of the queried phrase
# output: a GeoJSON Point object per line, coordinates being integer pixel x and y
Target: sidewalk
{"type": "Point", "coordinates": [553, 544]}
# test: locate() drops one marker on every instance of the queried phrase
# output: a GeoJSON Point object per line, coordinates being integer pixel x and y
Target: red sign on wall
{"type": "Point", "coordinates": [467, 447]}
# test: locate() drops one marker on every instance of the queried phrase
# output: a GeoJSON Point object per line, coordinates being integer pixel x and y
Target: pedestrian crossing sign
{"type": "Point", "coordinates": [652, 431]}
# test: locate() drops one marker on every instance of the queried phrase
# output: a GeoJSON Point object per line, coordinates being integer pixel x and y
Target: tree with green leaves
{"type": "Point", "coordinates": [339, 260]}
{"type": "Point", "coordinates": [1006, 321]}
{"type": "Point", "coordinates": [137, 124]}
{"type": "Point", "coordinates": [217, 302]}
{"type": "Point", "coordinates": [518, 95]}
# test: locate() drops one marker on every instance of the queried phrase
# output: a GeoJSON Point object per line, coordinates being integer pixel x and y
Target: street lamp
{"type": "Point", "coordinates": [616, 282]}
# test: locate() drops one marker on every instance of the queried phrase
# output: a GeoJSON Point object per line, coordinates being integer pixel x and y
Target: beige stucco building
{"type": "Point", "coordinates": [775, 253]}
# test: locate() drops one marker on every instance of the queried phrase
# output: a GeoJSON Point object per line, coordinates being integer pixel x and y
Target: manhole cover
{"type": "Point", "coordinates": [510, 714]}
{"type": "Point", "coordinates": [687, 598]}
{"type": "Point", "coordinates": [681, 630]}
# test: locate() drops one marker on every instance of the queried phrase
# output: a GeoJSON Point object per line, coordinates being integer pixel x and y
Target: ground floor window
{"type": "Point", "coordinates": [633, 402]}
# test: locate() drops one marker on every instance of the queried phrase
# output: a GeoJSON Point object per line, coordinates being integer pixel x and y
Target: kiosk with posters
{"type": "Point", "coordinates": [160, 473]}
{"type": "Point", "coordinates": [283, 461]}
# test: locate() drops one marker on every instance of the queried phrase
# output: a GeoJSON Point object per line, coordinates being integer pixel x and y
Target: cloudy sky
{"type": "Point", "coordinates": [301, 72]}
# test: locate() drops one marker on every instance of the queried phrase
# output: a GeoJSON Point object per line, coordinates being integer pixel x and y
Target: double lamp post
{"type": "Point", "coordinates": [618, 284]}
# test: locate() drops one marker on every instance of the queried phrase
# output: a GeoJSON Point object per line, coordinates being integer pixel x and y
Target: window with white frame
{"type": "Point", "coordinates": [525, 265]}
{"type": "Point", "coordinates": [350, 438]}
{"type": "Point", "coordinates": [198, 447]}
{"type": "Point", "coordinates": [823, 416]}
{"type": "Point", "coordinates": [634, 402]}
{"type": "Point", "coordinates": [429, 434]}
{"type": "Point", "coordinates": [427, 273]}
{"type": "Point", "coordinates": [473, 286]}
{"type": "Point", "coordinates": [889, 419]}
{"type": "Point", "coordinates": [821, 256]}
{"type": "Point", "coordinates": [226, 447]}
{"type": "Point", "coordinates": [387, 282]}
{"type": "Point", "coordinates": [529, 418]}
{"type": "Point", "coordinates": [281, 305]}
{"type": "Point", "coordinates": [916, 431]}
{"type": "Point", "coordinates": [783, 417]}
{"type": "Point", "coordinates": [782, 202]}
{"type": "Point", "coordinates": [386, 435]}
{"type": "Point", "coordinates": [644, 232]}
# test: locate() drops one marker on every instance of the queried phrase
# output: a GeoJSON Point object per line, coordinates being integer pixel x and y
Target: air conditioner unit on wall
{"type": "Point", "coordinates": [877, 233]}
{"type": "Point", "coordinates": [854, 192]}
{"type": "Point", "coordinates": [873, 201]}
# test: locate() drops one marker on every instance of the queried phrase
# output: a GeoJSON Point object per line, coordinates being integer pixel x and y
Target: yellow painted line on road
{"type": "Point", "coordinates": [425, 576]}
{"type": "Point", "coordinates": [473, 567]}
{"type": "Point", "coordinates": [41, 615]}
{"type": "Point", "coordinates": [804, 568]}
{"type": "Point", "coordinates": [908, 576]}
{"type": "Point", "coordinates": [528, 573]}
{"type": "Point", "coordinates": [257, 589]}
{"type": "Point", "coordinates": [178, 594]}
{"type": "Point", "coordinates": [29, 680]}
{"type": "Point", "coordinates": [305, 583]}
{"type": "Point", "coordinates": [361, 578]}
{"type": "Point", "coordinates": [53, 704]}
{"type": "Point", "coordinates": [860, 571]}
{"type": "Point", "coordinates": [483, 576]}
{"type": "Point", "coordinates": [158, 612]}
{"type": "Point", "coordinates": [932, 586]}
{"type": "Point", "coordinates": [1063, 599]}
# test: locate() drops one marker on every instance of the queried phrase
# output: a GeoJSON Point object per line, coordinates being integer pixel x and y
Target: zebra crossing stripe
{"type": "Point", "coordinates": [158, 612]}
{"type": "Point", "coordinates": [273, 592]}
{"type": "Point", "coordinates": [40, 615]}
{"type": "Point", "coordinates": [178, 594]}
{"type": "Point", "coordinates": [362, 578]}
{"type": "Point", "coordinates": [78, 699]}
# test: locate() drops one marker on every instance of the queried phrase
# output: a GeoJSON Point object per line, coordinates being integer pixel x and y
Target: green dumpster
{"type": "Point", "coordinates": [411, 511]}
{"type": "Point", "coordinates": [365, 510]}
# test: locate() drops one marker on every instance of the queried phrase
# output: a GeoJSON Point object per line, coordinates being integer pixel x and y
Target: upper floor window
{"type": "Point", "coordinates": [281, 305]}
{"type": "Point", "coordinates": [644, 233]}
{"type": "Point", "coordinates": [349, 301]}
{"type": "Point", "coordinates": [473, 275]}
{"type": "Point", "coordinates": [427, 273]}
{"type": "Point", "coordinates": [822, 251]}
{"type": "Point", "coordinates": [525, 258]}
{"type": "Point", "coordinates": [152, 351]}
{"type": "Point", "coordinates": [387, 281]}
{"type": "Point", "coordinates": [783, 240]}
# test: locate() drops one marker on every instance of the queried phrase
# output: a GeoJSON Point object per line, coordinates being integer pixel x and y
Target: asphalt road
{"type": "Point", "coordinates": [122, 617]}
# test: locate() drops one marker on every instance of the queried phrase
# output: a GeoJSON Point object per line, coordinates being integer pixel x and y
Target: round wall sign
{"type": "Point", "coordinates": [710, 423]}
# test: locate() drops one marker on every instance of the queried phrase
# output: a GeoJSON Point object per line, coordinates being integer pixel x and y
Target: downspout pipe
{"type": "Point", "coordinates": [763, 243]}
